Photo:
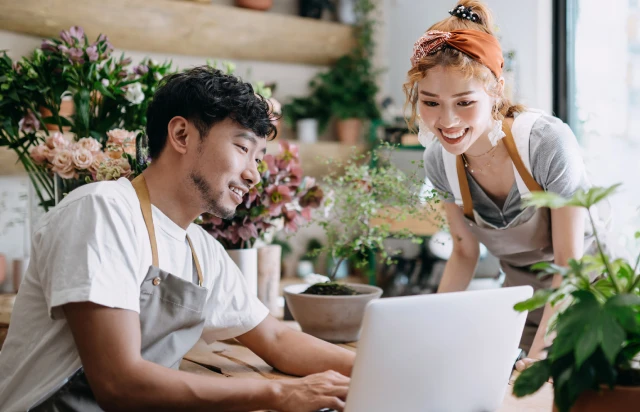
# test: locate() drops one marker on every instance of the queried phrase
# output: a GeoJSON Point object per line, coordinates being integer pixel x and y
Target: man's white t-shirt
{"type": "Point", "coordinates": [94, 246]}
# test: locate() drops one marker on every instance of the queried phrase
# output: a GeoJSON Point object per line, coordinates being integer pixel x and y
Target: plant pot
{"type": "Point", "coordinates": [620, 399]}
{"type": "Point", "coordinates": [332, 318]}
{"type": "Point", "coordinates": [307, 130]}
{"type": "Point", "coordinates": [247, 262]}
{"type": "Point", "coordinates": [269, 258]}
{"type": "Point", "coordinates": [255, 4]}
{"type": "Point", "coordinates": [346, 11]}
{"type": "Point", "coordinates": [349, 130]}
{"type": "Point", "coordinates": [67, 109]}
{"type": "Point", "coordinates": [310, 9]}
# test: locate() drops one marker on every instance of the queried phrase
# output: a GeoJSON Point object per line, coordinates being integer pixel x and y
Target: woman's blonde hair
{"type": "Point", "coordinates": [452, 58]}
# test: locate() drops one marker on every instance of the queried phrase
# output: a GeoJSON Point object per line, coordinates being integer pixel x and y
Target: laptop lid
{"type": "Point", "coordinates": [438, 352]}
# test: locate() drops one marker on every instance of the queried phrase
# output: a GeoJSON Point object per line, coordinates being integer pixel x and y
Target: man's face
{"type": "Point", "coordinates": [225, 167]}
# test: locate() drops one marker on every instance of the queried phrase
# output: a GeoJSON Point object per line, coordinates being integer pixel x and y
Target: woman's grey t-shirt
{"type": "Point", "coordinates": [556, 164]}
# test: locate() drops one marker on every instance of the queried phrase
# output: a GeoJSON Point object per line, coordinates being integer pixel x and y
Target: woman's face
{"type": "Point", "coordinates": [454, 108]}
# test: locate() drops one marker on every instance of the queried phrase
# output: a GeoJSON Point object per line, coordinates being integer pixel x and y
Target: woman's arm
{"type": "Point", "coordinates": [567, 234]}
{"type": "Point", "coordinates": [460, 268]}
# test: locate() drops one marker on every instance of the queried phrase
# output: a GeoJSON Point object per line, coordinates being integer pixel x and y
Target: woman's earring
{"type": "Point", "coordinates": [496, 132]}
{"type": "Point", "coordinates": [424, 134]}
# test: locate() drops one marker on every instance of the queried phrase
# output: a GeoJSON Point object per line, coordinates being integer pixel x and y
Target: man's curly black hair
{"type": "Point", "coordinates": [205, 96]}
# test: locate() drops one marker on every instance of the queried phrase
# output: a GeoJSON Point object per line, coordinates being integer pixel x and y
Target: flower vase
{"type": "Point", "coordinates": [269, 258]}
{"type": "Point", "coordinates": [62, 187]}
{"type": "Point", "coordinates": [247, 262]}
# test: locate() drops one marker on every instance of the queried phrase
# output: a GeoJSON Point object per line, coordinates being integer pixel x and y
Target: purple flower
{"type": "Point", "coordinates": [63, 49]}
{"type": "Point", "coordinates": [66, 37]}
{"type": "Point", "coordinates": [48, 45]}
{"type": "Point", "coordinates": [92, 53]}
{"type": "Point", "coordinates": [125, 62]}
{"type": "Point", "coordinates": [29, 123]}
{"type": "Point", "coordinates": [77, 33]}
{"type": "Point", "coordinates": [141, 70]}
{"type": "Point", "coordinates": [76, 55]}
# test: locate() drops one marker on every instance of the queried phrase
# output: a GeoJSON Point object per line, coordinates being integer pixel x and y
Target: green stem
{"type": "Point", "coordinates": [612, 277]}
{"type": "Point", "coordinates": [335, 269]}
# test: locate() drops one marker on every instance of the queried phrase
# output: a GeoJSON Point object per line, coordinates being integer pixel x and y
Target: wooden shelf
{"type": "Point", "coordinates": [182, 27]}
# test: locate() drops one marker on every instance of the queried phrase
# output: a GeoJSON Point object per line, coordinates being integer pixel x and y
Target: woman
{"type": "Point", "coordinates": [489, 155]}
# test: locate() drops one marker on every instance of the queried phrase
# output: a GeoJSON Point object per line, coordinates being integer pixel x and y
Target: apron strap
{"type": "Point", "coordinates": [524, 173]}
{"type": "Point", "coordinates": [521, 169]}
{"type": "Point", "coordinates": [465, 192]}
{"type": "Point", "coordinates": [140, 186]}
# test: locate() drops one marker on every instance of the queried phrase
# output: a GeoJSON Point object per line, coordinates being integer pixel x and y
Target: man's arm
{"type": "Point", "coordinates": [294, 352]}
{"type": "Point", "coordinates": [108, 342]}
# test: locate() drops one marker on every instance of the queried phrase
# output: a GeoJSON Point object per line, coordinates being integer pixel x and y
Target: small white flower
{"type": "Point", "coordinates": [105, 82]}
{"type": "Point", "coordinates": [134, 93]}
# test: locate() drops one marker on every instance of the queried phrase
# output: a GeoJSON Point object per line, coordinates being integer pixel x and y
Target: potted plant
{"type": "Point", "coordinates": [261, 5]}
{"type": "Point", "coordinates": [281, 201]}
{"type": "Point", "coordinates": [593, 360]}
{"type": "Point", "coordinates": [314, 8]}
{"type": "Point", "coordinates": [308, 116]}
{"type": "Point", "coordinates": [349, 88]}
{"type": "Point", "coordinates": [367, 187]}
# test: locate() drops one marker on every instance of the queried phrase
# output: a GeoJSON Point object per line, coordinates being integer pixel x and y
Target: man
{"type": "Point", "coordinates": [121, 284]}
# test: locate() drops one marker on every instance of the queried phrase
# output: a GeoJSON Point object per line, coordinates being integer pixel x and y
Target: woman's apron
{"type": "Point", "coordinates": [171, 321]}
{"type": "Point", "coordinates": [527, 239]}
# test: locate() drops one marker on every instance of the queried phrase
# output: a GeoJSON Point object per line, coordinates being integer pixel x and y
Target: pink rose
{"type": "Point", "coordinates": [121, 137]}
{"type": "Point", "coordinates": [39, 154]}
{"type": "Point", "coordinates": [98, 159]}
{"type": "Point", "coordinates": [82, 158]}
{"type": "Point", "coordinates": [124, 166]}
{"type": "Point", "coordinates": [63, 164]}
{"type": "Point", "coordinates": [56, 141]}
{"type": "Point", "coordinates": [114, 152]}
{"type": "Point", "coordinates": [90, 144]}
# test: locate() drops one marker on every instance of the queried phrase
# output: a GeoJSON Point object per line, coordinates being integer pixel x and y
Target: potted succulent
{"type": "Point", "coordinates": [593, 360]}
{"type": "Point", "coordinates": [366, 187]}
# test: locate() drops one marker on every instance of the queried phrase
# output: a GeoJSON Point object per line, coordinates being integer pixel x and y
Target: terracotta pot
{"type": "Point", "coordinates": [269, 258]}
{"type": "Point", "coordinates": [620, 399]}
{"type": "Point", "coordinates": [255, 4]}
{"type": "Point", "coordinates": [67, 109]}
{"type": "Point", "coordinates": [332, 318]}
{"type": "Point", "coordinates": [348, 130]}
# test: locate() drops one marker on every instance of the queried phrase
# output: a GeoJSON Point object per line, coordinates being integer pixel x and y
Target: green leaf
{"type": "Point", "coordinates": [532, 378]}
{"type": "Point", "coordinates": [588, 341]}
{"type": "Point", "coordinates": [539, 299]}
{"type": "Point", "coordinates": [597, 194]}
{"type": "Point", "coordinates": [612, 337]}
{"type": "Point", "coordinates": [545, 199]}
{"type": "Point", "coordinates": [624, 309]}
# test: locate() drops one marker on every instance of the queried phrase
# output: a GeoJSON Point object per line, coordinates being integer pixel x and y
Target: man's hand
{"type": "Point", "coordinates": [321, 390]}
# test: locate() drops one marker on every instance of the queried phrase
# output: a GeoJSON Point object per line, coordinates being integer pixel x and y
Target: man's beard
{"type": "Point", "coordinates": [212, 202]}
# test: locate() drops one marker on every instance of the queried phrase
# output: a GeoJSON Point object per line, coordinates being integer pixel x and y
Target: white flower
{"type": "Point", "coordinates": [278, 224]}
{"type": "Point", "coordinates": [134, 93]}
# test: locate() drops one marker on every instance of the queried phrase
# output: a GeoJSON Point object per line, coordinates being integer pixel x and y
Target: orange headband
{"type": "Point", "coordinates": [480, 46]}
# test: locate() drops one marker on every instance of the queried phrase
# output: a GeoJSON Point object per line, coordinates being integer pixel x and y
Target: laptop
{"type": "Point", "coordinates": [438, 352]}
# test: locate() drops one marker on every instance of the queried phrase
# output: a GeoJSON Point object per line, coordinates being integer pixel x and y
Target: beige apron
{"type": "Point", "coordinates": [171, 321]}
{"type": "Point", "coordinates": [527, 239]}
